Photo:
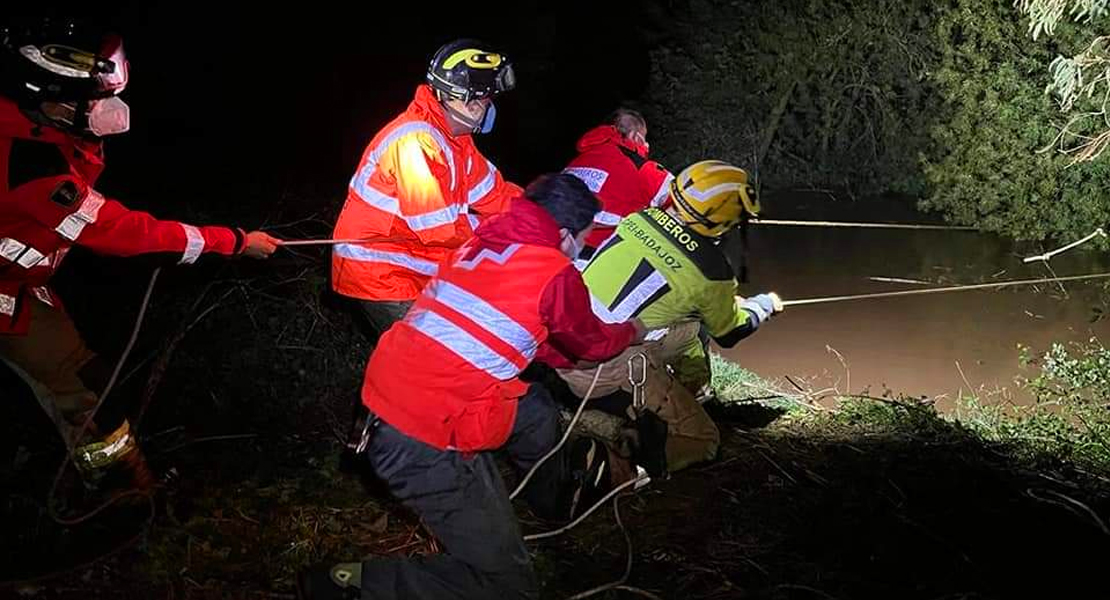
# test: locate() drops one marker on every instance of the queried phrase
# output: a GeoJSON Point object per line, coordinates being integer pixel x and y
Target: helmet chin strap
{"type": "Point", "coordinates": [63, 115]}
{"type": "Point", "coordinates": [464, 119]}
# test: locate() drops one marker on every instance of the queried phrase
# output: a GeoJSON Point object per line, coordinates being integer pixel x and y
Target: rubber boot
{"type": "Point", "coordinates": [114, 464]}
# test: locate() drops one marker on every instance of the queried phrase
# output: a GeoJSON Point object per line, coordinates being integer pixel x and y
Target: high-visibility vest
{"type": "Point", "coordinates": [419, 191]}
{"type": "Point", "coordinates": [447, 374]}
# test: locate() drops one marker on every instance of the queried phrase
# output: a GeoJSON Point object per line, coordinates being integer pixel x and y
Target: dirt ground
{"type": "Point", "coordinates": [904, 506]}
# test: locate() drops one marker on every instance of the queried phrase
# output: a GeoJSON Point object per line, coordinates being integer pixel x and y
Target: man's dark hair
{"type": "Point", "coordinates": [566, 198]}
{"type": "Point", "coordinates": [626, 120]}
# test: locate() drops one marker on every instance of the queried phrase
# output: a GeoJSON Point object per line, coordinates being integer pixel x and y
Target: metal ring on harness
{"type": "Point", "coordinates": [364, 438]}
{"type": "Point", "coordinates": [362, 430]}
{"type": "Point", "coordinates": [638, 402]}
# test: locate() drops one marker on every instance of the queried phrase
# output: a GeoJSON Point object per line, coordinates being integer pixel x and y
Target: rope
{"type": "Point", "coordinates": [365, 240]}
{"type": "Point", "coordinates": [334, 241]}
{"type": "Point", "coordinates": [860, 225]}
{"type": "Point", "coordinates": [627, 565]}
{"type": "Point", "coordinates": [1048, 255]}
{"type": "Point", "coordinates": [51, 509]}
{"type": "Point", "coordinates": [954, 288]}
{"type": "Point", "coordinates": [566, 434]}
{"type": "Point", "coordinates": [574, 523]}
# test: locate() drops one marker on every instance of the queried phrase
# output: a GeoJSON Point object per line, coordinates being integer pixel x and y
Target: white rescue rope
{"type": "Point", "coordinates": [859, 225]}
{"type": "Point", "coordinates": [954, 288]}
{"type": "Point", "coordinates": [1047, 255]}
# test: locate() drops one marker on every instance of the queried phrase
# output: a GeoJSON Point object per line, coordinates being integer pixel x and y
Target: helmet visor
{"type": "Point", "coordinates": [485, 83]}
{"type": "Point", "coordinates": [506, 78]}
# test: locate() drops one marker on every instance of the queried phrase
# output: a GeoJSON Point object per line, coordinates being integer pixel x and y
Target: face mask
{"type": "Point", "coordinates": [639, 140]}
{"type": "Point", "coordinates": [488, 119]}
{"type": "Point", "coordinates": [575, 249]}
{"type": "Point", "coordinates": [109, 116]}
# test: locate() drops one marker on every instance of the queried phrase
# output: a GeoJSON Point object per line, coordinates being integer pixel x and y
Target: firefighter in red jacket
{"type": "Point", "coordinates": [613, 161]}
{"type": "Point", "coordinates": [445, 388]}
{"type": "Point", "coordinates": [61, 82]}
{"type": "Point", "coordinates": [422, 184]}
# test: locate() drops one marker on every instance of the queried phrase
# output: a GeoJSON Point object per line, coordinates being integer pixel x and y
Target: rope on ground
{"type": "Point", "coordinates": [615, 585]}
{"type": "Point", "coordinates": [114, 551]}
{"type": "Point", "coordinates": [50, 507]}
{"type": "Point", "coordinates": [212, 438]}
{"type": "Point", "coordinates": [147, 495]}
{"type": "Point", "coordinates": [804, 588]}
{"type": "Point", "coordinates": [582, 517]}
{"type": "Point", "coordinates": [619, 584]}
{"type": "Point", "coordinates": [1070, 504]}
{"type": "Point", "coordinates": [638, 592]}
{"type": "Point", "coordinates": [627, 565]}
{"type": "Point", "coordinates": [566, 434]}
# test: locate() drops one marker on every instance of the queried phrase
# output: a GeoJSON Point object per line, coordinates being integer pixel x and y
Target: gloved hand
{"type": "Point", "coordinates": [762, 306]}
{"type": "Point", "coordinates": [260, 245]}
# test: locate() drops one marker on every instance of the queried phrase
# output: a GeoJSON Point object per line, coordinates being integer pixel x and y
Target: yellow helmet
{"type": "Point", "coordinates": [712, 196]}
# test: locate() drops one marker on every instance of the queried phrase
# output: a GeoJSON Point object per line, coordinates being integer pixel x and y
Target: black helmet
{"type": "Point", "coordinates": [465, 69]}
{"type": "Point", "coordinates": [60, 60]}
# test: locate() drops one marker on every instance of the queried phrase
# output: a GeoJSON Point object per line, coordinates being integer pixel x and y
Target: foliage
{"type": "Point", "coordinates": [943, 101]}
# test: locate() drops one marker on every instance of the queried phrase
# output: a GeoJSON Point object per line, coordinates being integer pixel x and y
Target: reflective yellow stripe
{"type": "Point", "coordinates": [98, 455]}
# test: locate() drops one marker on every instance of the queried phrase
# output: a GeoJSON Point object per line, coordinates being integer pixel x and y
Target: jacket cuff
{"type": "Point", "coordinates": [240, 240]}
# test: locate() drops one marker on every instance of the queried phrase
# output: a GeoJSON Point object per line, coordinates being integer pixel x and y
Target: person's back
{"type": "Point", "coordinates": [613, 162]}
{"type": "Point", "coordinates": [657, 268]}
{"type": "Point", "coordinates": [446, 373]}
{"type": "Point", "coordinates": [665, 268]}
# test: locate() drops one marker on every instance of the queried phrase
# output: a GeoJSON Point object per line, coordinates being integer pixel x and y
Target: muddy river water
{"type": "Point", "coordinates": [931, 345]}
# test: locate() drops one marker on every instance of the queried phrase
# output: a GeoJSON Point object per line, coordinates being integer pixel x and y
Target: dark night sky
{"type": "Point", "coordinates": [249, 115]}
{"type": "Point", "coordinates": [226, 97]}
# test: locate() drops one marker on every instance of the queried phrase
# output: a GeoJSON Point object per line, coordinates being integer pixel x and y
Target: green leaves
{"type": "Point", "coordinates": [945, 101]}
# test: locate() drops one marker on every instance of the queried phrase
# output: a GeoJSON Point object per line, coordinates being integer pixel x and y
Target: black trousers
{"type": "Point", "coordinates": [380, 316]}
{"type": "Point", "coordinates": [463, 500]}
